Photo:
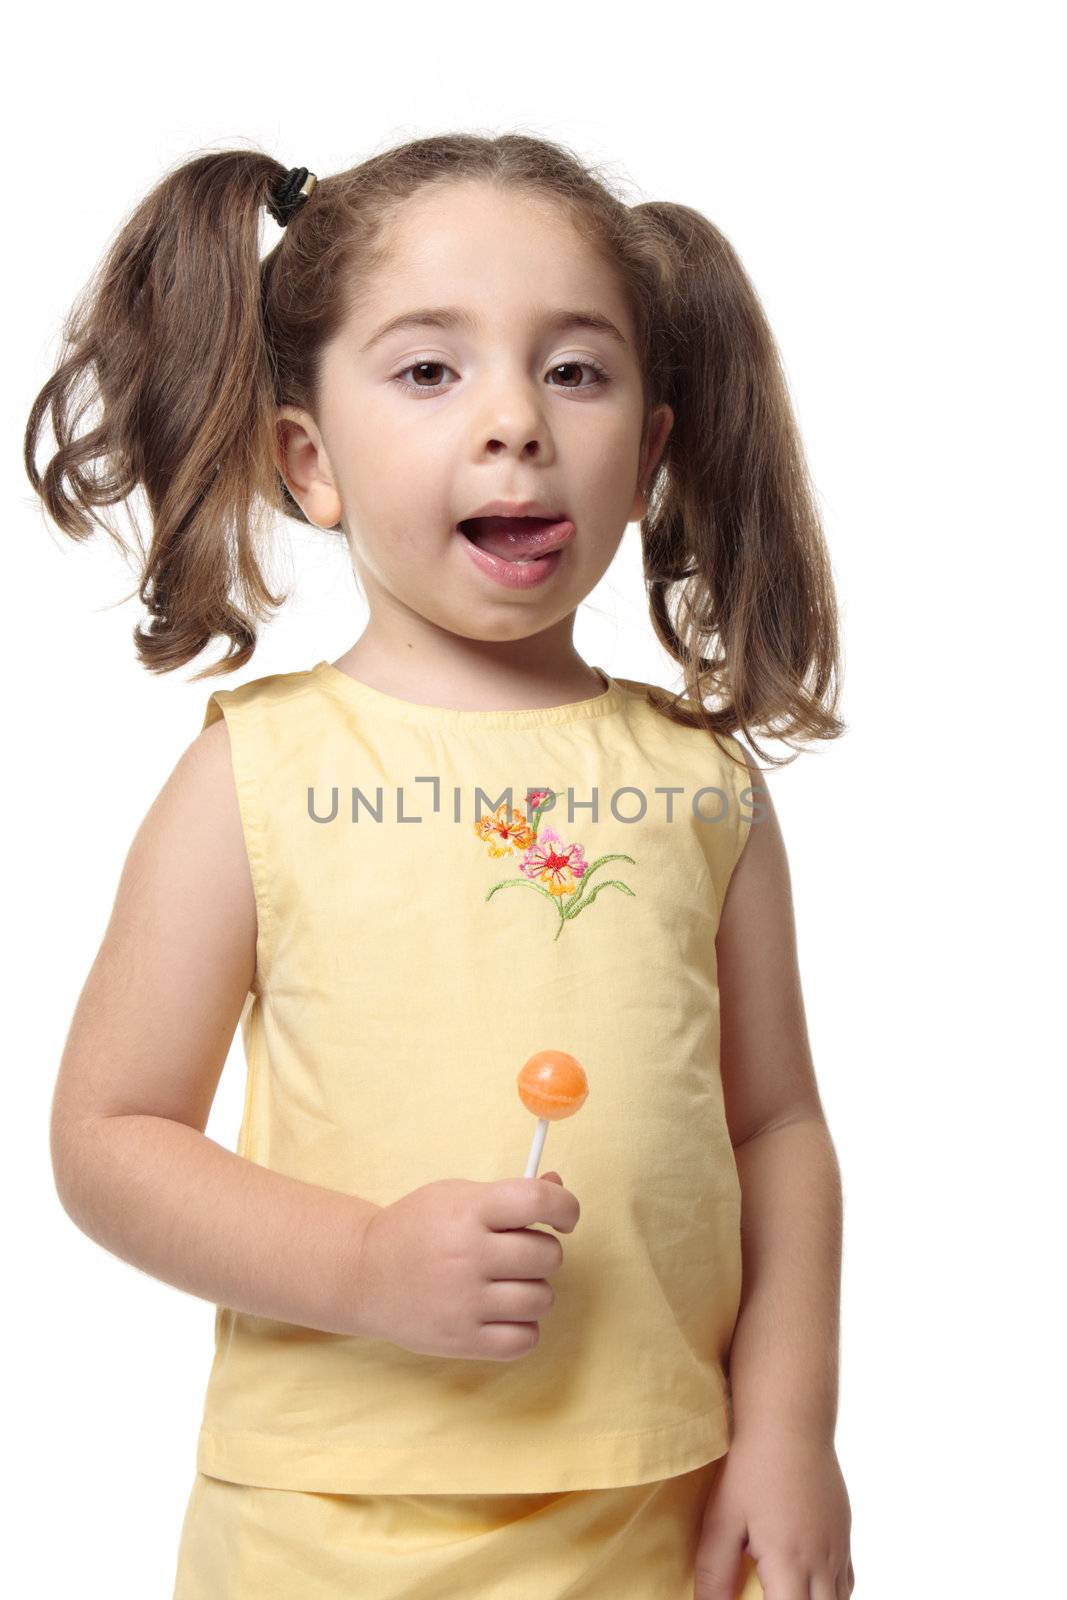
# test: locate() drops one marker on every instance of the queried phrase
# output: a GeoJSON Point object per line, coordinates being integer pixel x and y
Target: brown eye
{"type": "Point", "coordinates": [423, 365]}
{"type": "Point", "coordinates": [421, 388]}
{"type": "Point", "coordinates": [563, 366]}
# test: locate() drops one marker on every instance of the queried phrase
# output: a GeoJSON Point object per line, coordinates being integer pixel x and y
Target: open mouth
{"type": "Point", "coordinates": [518, 540]}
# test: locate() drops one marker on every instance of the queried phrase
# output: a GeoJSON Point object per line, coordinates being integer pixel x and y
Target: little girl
{"type": "Point", "coordinates": [407, 871]}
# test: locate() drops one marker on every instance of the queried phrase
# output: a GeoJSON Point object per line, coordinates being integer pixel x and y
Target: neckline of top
{"type": "Point", "coordinates": [415, 711]}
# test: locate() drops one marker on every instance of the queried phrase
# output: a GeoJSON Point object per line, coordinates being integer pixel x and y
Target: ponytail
{"type": "Point", "coordinates": [737, 572]}
{"type": "Point", "coordinates": [169, 340]}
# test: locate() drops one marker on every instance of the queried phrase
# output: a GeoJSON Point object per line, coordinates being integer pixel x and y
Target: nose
{"type": "Point", "coordinates": [512, 420]}
{"type": "Point", "coordinates": [498, 447]}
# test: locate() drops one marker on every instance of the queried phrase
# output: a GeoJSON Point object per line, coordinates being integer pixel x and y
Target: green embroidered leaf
{"type": "Point", "coordinates": [535, 815]}
{"type": "Point", "coordinates": [599, 862]}
{"type": "Point", "coordinates": [609, 883]}
{"type": "Point", "coordinates": [521, 883]}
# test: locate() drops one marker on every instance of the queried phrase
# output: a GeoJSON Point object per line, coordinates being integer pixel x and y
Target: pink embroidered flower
{"type": "Point", "coordinates": [557, 865]}
{"type": "Point", "coordinates": [536, 797]}
{"type": "Point", "coordinates": [504, 837]}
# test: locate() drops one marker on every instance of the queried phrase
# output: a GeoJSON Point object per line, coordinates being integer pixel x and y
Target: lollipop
{"type": "Point", "coordinates": [552, 1085]}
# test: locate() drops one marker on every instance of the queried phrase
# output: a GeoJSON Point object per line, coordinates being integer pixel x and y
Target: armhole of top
{"type": "Point", "coordinates": [741, 797]}
{"type": "Point", "coordinates": [253, 824]}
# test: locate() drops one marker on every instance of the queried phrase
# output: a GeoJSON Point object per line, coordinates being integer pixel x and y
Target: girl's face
{"type": "Point", "coordinates": [420, 426]}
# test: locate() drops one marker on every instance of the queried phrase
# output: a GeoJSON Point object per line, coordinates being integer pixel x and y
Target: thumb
{"type": "Point", "coordinates": [552, 1177]}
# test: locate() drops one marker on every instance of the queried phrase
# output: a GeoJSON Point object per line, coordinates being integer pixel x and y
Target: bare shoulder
{"type": "Point", "coordinates": [162, 999]}
{"type": "Point", "coordinates": [763, 857]}
{"type": "Point", "coordinates": [767, 1071]}
{"type": "Point", "coordinates": [205, 769]}
{"type": "Point", "coordinates": [190, 845]}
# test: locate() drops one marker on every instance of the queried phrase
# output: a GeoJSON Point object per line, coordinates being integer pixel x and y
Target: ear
{"type": "Point", "coordinates": [660, 423]}
{"type": "Point", "coordinates": [300, 456]}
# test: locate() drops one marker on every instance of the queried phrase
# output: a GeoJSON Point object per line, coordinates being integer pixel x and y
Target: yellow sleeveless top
{"type": "Point", "coordinates": [440, 895]}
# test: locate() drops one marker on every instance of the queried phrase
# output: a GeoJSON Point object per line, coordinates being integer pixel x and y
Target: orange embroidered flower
{"type": "Point", "coordinates": [504, 837]}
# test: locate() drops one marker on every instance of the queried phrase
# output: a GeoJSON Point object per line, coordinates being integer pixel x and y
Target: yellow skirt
{"type": "Point", "coordinates": [240, 1542]}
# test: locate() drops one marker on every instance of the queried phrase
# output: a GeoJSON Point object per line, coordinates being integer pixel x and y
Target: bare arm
{"type": "Point", "coordinates": [146, 1047]}
{"type": "Point", "coordinates": [784, 1355]}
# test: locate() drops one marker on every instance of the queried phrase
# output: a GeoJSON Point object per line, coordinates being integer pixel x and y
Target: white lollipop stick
{"type": "Point", "coordinates": [536, 1148]}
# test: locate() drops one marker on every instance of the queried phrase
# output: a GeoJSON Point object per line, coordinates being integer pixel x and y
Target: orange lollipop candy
{"type": "Point", "coordinates": [552, 1085]}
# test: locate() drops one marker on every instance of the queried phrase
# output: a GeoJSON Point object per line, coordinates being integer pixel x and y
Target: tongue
{"type": "Point", "coordinates": [508, 537]}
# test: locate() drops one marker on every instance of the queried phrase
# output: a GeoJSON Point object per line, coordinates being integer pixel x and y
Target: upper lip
{"type": "Point", "coordinates": [514, 508]}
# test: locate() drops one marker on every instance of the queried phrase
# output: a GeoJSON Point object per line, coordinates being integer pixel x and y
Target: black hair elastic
{"type": "Point", "coordinates": [290, 194]}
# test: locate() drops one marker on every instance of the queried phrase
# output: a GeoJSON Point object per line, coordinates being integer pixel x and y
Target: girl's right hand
{"type": "Point", "coordinates": [455, 1268]}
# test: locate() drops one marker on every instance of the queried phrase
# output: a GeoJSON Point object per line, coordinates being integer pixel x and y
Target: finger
{"type": "Point", "coordinates": [824, 1584]}
{"type": "Point", "coordinates": [784, 1583]}
{"type": "Point", "coordinates": [516, 1300]}
{"type": "Point", "coordinates": [519, 1202]}
{"type": "Point", "coordinates": [522, 1253]}
{"type": "Point", "coordinates": [717, 1570]}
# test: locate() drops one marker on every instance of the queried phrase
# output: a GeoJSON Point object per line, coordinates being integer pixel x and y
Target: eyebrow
{"type": "Point", "coordinates": [457, 317]}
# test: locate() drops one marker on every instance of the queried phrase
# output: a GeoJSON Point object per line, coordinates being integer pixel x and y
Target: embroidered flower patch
{"type": "Point", "coordinates": [549, 864]}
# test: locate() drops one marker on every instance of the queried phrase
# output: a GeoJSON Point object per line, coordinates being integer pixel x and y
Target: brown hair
{"type": "Point", "coordinates": [190, 342]}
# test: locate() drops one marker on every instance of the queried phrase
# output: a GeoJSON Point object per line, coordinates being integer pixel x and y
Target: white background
{"type": "Point", "coordinates": [892, 179]}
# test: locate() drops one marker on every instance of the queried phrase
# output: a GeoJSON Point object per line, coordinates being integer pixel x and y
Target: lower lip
{"type": "Point", "coordinates": [517, 574]}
